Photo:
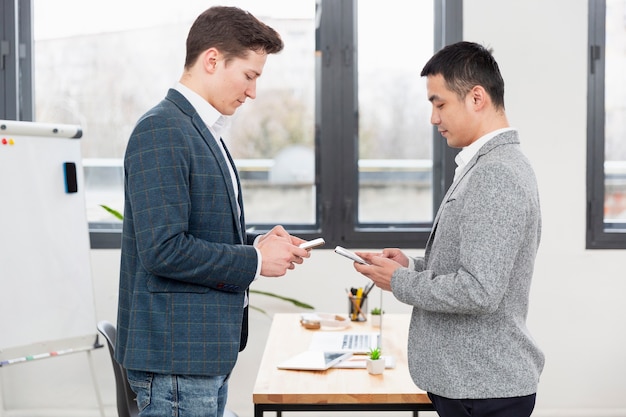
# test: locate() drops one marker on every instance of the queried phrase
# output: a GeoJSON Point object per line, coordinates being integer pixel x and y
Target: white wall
{"type": "Point", "coordinates": [578, 313]}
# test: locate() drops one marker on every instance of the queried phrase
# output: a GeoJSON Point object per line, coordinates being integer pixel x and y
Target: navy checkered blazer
{"type": "Point", "coordinates": [187, 260]}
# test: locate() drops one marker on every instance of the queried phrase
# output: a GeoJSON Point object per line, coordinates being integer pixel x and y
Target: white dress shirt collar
{"type": "Point", "coordinates": [467, 153]}
{"type": "Point", "coordinates": [216, 122]}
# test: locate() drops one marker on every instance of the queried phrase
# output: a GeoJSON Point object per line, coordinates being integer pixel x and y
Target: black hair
{"type": "Point", "coordinates": [465, 65]}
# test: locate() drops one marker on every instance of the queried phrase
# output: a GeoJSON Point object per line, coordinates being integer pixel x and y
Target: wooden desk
{"type": "Point", "coordinates": [335, 389]}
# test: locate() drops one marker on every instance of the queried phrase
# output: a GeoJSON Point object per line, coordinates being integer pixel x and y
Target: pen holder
{"type": "Point", "coordinates": [357, 306]}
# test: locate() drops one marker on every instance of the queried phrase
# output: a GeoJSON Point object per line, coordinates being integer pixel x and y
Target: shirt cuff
{"type": "Point", "coordinates": [411, 265]}
{"type": "Point", "coordinates": [259, 258]}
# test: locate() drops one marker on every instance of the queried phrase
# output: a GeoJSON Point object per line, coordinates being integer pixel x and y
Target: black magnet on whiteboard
{"type": "Point", "coordinates": [71, 185]}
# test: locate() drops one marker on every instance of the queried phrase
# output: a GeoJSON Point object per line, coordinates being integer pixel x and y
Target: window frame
{"type": "Point", "coordinates": [598, 235]}
{"type": "Point", "coordinates": [16, 60]}
{"type": "Point", "coordinates": [336, 159]}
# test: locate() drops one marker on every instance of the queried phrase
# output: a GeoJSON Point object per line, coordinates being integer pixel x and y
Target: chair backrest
{"type": "Point", "coordinates": [126, 404]}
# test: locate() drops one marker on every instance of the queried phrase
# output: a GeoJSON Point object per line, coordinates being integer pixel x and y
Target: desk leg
{"type": "Point", "coordinates": [259, 411]}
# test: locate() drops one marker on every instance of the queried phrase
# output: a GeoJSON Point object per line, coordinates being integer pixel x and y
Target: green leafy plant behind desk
{"type": "Point", "coordinates": [293, 301]}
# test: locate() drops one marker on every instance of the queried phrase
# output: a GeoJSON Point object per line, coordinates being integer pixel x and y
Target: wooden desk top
{"type": "Point", "coordinates": [334, 386]}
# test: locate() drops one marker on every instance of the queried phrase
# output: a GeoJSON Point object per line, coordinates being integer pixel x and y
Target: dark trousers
{"type": "Point", "coordinates": [491, 407]}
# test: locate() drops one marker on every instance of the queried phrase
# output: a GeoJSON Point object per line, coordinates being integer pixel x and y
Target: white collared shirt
{"type": "Point", "coordinates": [467, 153]}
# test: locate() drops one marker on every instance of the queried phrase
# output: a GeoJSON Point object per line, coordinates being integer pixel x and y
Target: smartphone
{"type": "Point", "coordinates": [313, 243]}
{"type": "Point", "coordinates": [350, 255]}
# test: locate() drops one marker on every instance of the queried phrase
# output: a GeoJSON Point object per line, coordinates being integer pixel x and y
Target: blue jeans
{"type": "Point", "coordinates": [160, 395]}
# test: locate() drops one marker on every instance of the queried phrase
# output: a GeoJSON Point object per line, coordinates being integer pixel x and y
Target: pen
{"type": "Point", "coordinates": [359, 299]}
{"type": "Point", "coordinates": [368, 288]}
{"type": "Point", "coordinates": [359, 296]}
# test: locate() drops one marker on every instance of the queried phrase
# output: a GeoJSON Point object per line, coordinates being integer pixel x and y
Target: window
{"type": "Point", "coordinates": [395, 136]}
{"type": "Point", "coordinates": [337, 143]}
{"type": "Point", "coordinates": [606, 131]}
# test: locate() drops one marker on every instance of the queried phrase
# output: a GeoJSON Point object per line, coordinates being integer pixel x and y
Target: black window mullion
{"type": "Point", "coordinates": [334, 141]}
{"type": "Point", "coordinates": [8, 60]}
{"type": "Point", "coordinates": [25, 56]}
{"type": "Point", "coordinates": [595, 125]}
{"type": "Point", "coordinates": [16, 43]}
{"type": "Point", "coordinates": [448, 30]}
{"type": "Point", "coordinates": [348, 135]}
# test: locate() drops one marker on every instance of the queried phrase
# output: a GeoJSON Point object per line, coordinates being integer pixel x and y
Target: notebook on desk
{"type": "Point", "coordinates": [311, 360]}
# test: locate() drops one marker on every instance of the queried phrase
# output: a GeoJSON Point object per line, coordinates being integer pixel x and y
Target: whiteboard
{"type": "Point", "coordinates": [46, 295]}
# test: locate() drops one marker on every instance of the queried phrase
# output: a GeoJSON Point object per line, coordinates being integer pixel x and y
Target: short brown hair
{"type": "Point", "coordinates": [232, 31]}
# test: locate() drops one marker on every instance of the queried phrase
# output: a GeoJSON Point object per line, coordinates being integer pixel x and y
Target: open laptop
{"type": "Point", "coordinates": [356, 343]}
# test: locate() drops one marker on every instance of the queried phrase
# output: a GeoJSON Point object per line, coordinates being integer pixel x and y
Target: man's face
{"type": "Point", "coordinates": [235, 81]}
{"type": "Point", "coordinates": [451, 115]}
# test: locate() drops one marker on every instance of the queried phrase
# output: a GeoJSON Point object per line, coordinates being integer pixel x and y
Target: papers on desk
{"type": "Point", "coordinates": [311, 360]}
{"type": "Point", "coordinates": [358, 361]}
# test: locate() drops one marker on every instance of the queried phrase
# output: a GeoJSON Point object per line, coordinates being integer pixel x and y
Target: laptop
{"type": "Point", "coordinates": [356, 343]}
{"type": "Point", "coordinates": [312, 360]}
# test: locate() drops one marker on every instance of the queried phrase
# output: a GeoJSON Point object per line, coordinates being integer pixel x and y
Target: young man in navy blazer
{"type": "Point", "coordinates": [187, 260]}
{"type": "Point", "coordinates": [469, 346]}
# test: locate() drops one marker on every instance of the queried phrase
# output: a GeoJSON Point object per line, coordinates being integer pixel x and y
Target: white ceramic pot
{"type": "Point", "coordinates": [375, 367]}
{"type": "Point", "coordinates": [375, 320]}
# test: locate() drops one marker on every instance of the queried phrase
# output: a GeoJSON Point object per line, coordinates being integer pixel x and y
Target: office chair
{"type": "Point", "coordinates": [126, 404]}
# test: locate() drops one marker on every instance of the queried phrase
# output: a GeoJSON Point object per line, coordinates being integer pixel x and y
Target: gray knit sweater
{"type": "Point", "coordinates": [468, 335]}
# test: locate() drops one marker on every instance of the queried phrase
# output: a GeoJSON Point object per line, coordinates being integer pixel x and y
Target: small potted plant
{"type": "Point", "coordinates": [376, 315]}
{"type": "Point", "coordinates": [375, 363]}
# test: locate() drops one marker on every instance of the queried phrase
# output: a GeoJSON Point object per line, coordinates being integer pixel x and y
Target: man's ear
{"type": "Point", "coordinates": [479, 97]}
{"type": "Point", "coordinates": [209, 59]}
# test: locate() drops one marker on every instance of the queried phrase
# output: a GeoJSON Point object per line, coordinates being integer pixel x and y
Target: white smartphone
{"type": "Point", "coordinates": [313, 243]}
{"type": "Point", "coordinates": [350, 255]}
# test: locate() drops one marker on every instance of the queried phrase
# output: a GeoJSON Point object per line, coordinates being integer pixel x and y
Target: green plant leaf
{"type": "Point", "coordinates": [113, 212]}
{"type": "Point", "coordinates": [258, 309]}
{"type": "Point", "coordinates": [375, 354]}
{"type": "Point", "coordinates": [295, 302]}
